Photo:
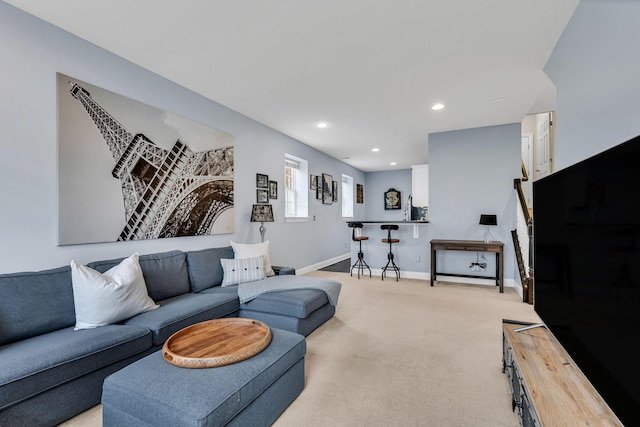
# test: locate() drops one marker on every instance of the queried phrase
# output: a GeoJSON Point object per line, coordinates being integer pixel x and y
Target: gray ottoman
{"type": "Point", "coordinates": [254, 392]}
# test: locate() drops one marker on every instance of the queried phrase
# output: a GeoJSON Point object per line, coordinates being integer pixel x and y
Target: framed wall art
{"type": "Point", "coordinates": [392, 199]}
{"type": "Point", "coordinates": [327, 189]}
{"type": "Point", "coordinates": [262, 180]}
{"type": "Point", "coordinates": [262, 195]}
{"type": "Point", "coordinates": [359, 193]}
{"type": "Point", "coordinates": [335, 191]}
{"type": "Point", "coordinates": [96, 127]}
{"type": "Point", "coordinates": [273, 189]}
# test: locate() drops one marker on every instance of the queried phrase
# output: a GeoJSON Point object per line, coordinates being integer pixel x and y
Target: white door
{"type": "Point", "coordinates": [543, 145]}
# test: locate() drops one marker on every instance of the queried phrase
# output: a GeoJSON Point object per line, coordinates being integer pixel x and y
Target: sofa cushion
{"type": "Point", "coordinates": [104, 298]}
{"type": "Point", "coordinates": [291, 323]}
{"type": "Point", "coordinates": [33, 365]}
{"type": "Point", "coordinates": [205, 270]}
{"type": "Point", "coordinates": [184, 310]}
{"type": "Point", "coordinates": [166, 273]}
{"type": "Point", "coordinates": [242, 270]}
{"type": "Point", "coordinates": [35, 303]}
{"type": "Point", "coordinates": [227, 290]}
{"type": "Point", "coordinates": [297, 303]}
{"type": "Point", "coordinates": [250, 250]}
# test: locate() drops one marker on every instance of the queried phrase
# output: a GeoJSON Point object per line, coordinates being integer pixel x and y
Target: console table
{"type": "Point", "coordinates": [547, 387]}
{"type": "Point", "coordinates": [471, 246]}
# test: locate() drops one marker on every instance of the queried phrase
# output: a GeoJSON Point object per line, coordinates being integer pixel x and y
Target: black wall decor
{"type": "Point", "coordinates": [392, 199]}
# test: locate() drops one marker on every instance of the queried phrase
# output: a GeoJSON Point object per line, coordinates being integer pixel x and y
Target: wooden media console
{"type": "Point", "coordinates": [547, 387]}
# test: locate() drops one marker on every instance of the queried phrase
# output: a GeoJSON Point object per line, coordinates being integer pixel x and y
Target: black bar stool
{"type": "Point", "coordinates": [360, 264]}
{"type": "Point", "coordinates": [391, 265]}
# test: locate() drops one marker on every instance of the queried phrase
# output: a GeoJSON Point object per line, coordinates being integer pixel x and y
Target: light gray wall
{"type": "Point", "coordinates": [471, 172]}
{"type": "Point", "coordinates": [596, 67]}
{"type": "Point", "coordinates": [32, 53]}
{"type": "Point", "coordinates": [377, 184]}
{"type": "Point", "coordinates": [409, 248]}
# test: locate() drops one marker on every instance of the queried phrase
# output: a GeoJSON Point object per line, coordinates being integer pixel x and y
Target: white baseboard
{"type": "Point", "coordinates": [323, 264]}
{"type": "Point", "coordinates": [508, 283]}
{"type": "Point", "coordinates": [418, 275]}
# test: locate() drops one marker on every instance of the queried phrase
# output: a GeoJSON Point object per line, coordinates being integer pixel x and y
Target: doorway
{"type": "Point", "coordinates": [537, 152]}
{"type": "Point", "coordinates": [538, 133]}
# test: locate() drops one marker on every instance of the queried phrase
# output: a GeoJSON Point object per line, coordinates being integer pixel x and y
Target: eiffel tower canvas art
{"type": "Point", "coordinates": [129, 171]}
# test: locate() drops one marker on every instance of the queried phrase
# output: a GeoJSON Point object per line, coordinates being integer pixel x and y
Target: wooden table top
{"type": "Point", "coordinates": [558, 389]}
{"type": "Point", "coordinates": [216, 342]}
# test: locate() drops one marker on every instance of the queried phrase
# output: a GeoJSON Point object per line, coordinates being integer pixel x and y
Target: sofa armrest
{"type": "Point", "coordinates": [281, 270]}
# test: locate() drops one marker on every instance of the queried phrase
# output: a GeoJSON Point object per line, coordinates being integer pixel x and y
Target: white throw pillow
{"type": "Point", "coordinates": [250, 250]}
{"type": "Point", "coordinates": [242, 270]}
{"type": "Point", "coordinates": [104, 298]}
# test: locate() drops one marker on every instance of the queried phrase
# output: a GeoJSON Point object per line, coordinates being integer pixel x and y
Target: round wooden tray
{"type": "Point", "coordinates": [216, 343]}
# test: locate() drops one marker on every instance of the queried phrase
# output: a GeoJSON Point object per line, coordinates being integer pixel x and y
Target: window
{"type": "Point", "coordinates": [347, 196]}
{"type": "Point", "coordinates": [296, 188]}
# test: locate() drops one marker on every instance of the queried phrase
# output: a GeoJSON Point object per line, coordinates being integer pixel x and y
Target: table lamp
{"type": "Point", "coordinates": [488, 220]}
{"type": "Point", "coordinates": [262, 214]}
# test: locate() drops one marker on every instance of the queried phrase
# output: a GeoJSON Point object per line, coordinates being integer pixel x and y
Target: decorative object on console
{"type": "Point", "coordinates": [262, 214]}
{"type": "Point", "coordinates": [262, 180]}
{"type": "Point", "coordinates": [392, 199]}
{"type": "Point", "coordinates": [250, 250]}
{"type": "Point", "coordinates": [488, 220]}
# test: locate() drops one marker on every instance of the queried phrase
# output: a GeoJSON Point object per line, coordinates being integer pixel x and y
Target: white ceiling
{"type": "Point", "coordinates": [372, 69]}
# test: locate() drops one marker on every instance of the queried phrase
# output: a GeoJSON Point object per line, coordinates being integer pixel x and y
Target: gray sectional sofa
{"type": "Point", "coordinates": [50, 372]}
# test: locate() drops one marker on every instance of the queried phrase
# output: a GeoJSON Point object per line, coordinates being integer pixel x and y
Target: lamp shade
{"type": "Point", "coordinates": [262, 213]}
{"type": "Point", "coordinates": [488, 219]}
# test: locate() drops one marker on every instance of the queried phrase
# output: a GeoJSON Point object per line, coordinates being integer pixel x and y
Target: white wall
{"type": "Point", "coordinates": [596, 69]}
{"type": "Point", "coordinates": [471, 172]}
{"type": "Point", "coordinates": [32, 53]}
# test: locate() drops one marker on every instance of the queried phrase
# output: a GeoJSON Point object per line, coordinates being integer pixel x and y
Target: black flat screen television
{"type": "Point", "coordinates": [587, 269]}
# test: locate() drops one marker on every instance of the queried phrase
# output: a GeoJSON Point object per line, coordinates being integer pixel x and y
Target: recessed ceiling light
{"type": "Point", "coordinates": [499, 99]}
{"type": "Point", "coordinates": [375, 150]}
{"type": "Point", "coordinates": [437, 106]}
{"type": "Point", "coordinates": [322, 125]}
{"type": "Point", "coordinates": [393, 163]}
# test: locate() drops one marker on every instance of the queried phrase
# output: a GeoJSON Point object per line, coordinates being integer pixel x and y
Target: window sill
{"type": "Point", "coordinates": [296, 219]}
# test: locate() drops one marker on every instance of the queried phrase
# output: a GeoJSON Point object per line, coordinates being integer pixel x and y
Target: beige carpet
{"type": "Point", "coordinates": [403, 354]}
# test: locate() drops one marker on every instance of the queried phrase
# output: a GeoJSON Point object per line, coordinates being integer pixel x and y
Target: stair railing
{"type": "Point", "coordinates": [526, 271]}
